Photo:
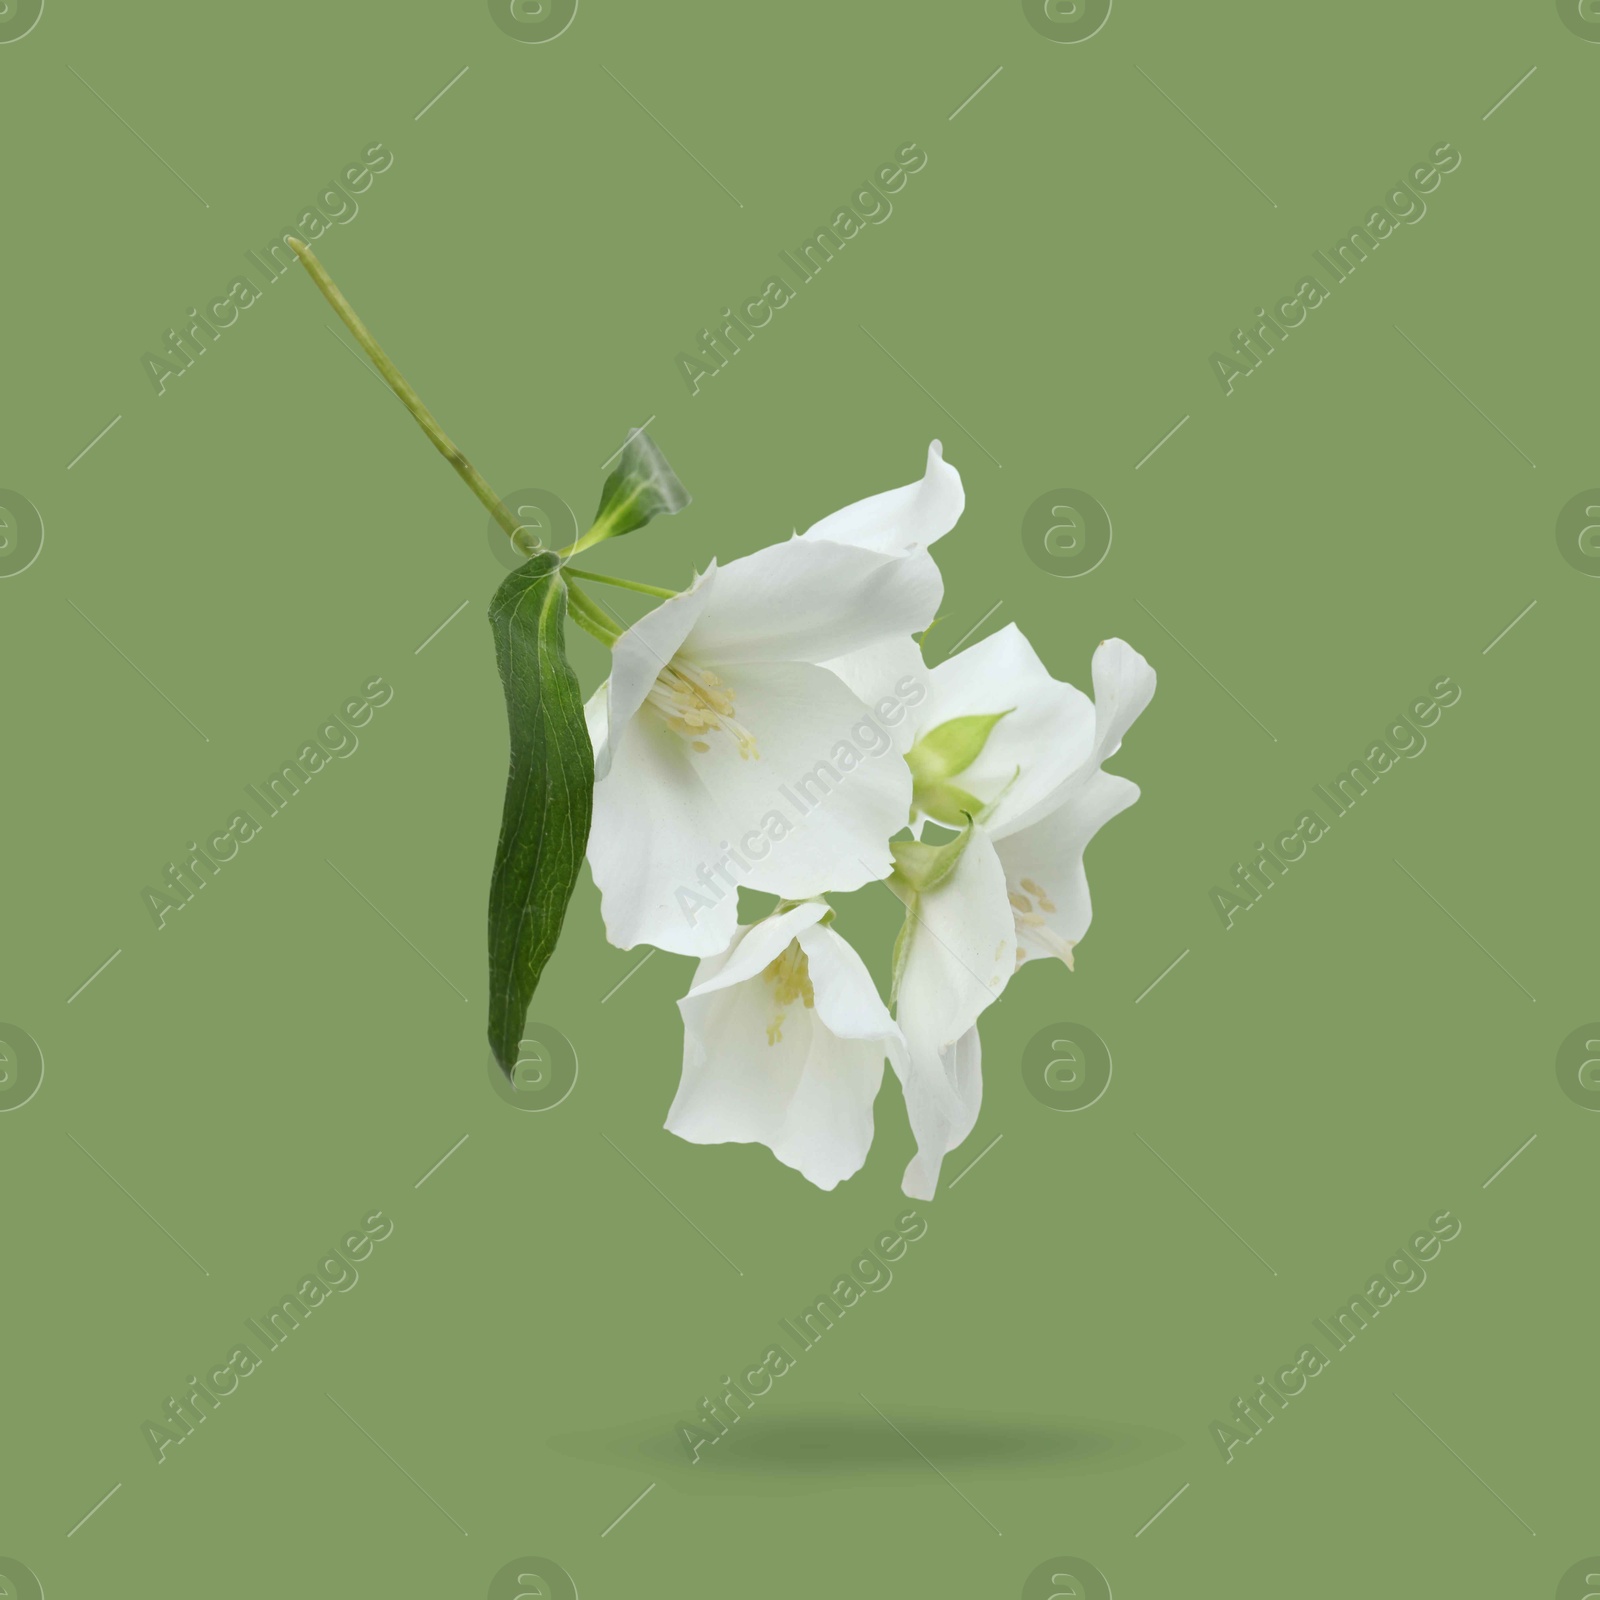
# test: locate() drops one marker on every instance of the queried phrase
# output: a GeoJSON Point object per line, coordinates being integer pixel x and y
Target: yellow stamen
{"type": "Point", "coordinates": [790, 977]}
{"type": "Point", "coordinates": [1031, 924]}
{"type": "Point", "coordinates": [692, 701]}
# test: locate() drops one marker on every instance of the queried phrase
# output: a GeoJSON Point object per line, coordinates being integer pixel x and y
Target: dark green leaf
{"type": "Point", "coordinates": [549, 795]}
{"type": "Point", "coordinates": [641, 486]}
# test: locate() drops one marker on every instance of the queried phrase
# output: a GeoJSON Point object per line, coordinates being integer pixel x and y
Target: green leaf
{"type": "Point", "coordinates": [641, 486]}
{"type": "Point", "coordinates": [952, 747]}
{"type": "Point", "coordinates": [549, 795]}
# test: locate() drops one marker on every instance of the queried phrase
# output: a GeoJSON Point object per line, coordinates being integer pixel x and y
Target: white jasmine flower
{"type": "Point", "coordinates": [784, 1044]}
{"type": "Point", "coordinates": [726, 754]}
{"type": "Point", "coordinates": [1014, 758]}
{"type": "Point", "coordinates": [1035, 784]}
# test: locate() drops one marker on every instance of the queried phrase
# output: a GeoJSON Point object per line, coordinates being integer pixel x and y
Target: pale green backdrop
{"type": "Point", "coordinates": [302, 1046]}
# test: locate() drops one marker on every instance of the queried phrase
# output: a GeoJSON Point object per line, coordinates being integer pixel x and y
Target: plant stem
{"type": "Point", "coordinates": [408, 396]}
{"type": "Point", "coordinates": [621, 583]}
{"type": "Point", "coordinates": [589, 627]}
{"type": "Point", "coordinates": [591, 618]}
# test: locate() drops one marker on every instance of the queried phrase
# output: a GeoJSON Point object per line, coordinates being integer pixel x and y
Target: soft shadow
{"type": "Point", "coordinates": [786, 1452]}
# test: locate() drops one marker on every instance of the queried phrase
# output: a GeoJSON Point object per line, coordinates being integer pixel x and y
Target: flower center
{"type": "Point", "coordinates": [694, 702]}
{"type": "Point", "coordinates": [790, 977]}
{"type": "Point", "coordinates": [1029, 903]}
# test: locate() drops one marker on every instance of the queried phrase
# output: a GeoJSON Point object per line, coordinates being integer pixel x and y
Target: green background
{"type": "Point", "coordinates": [236, 1091]}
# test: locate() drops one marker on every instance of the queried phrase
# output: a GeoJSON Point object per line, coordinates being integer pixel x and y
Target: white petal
{"type": "Point", "coordinates": [811, 600]}
{"type": "Point", "coordinates": [754, 949]}
{"type": "Point", "coordinates": [1047, 736]}
{"type": "Point", "coordinates": [900, 521]}
{"type": "Point", "coordinates": [597, 714]}
{"type": "Point", "coordinates": [637, 660]}
{"type": "Point", "coordinates": [1123, 685]}
{"type": "Point", "coordinates": [892, 680]}
{"type": "Point", "coordinates": [1043, 851]}
{"type": "Point", "coordinates": [1044, 863]}
{"type": "Point", "coordinates": [737, 1081]}
{"type": "Point", "coordinates": [655, 828]}
{"type": "Point", "coordinates": [828, 1129]}
{"type": "Point", "coordinates": [848, 1003]}
{"type": "Point", "coordinates": [795, 1086]}
{"type": "Point", "coordinates": [938, 1131]}
{"type": "Point", "coordinates": [815, 810]}
{"type": "Point", "coordinates": [962, 952]}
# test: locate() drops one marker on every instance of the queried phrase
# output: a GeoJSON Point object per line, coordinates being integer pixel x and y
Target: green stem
{"type": "Point", "coordinates": [591, 628]}
{"type": "Point", "coordinates": [408, 397]}
{"type": "Point", "coordinates": [621, 583]}
{"type": "Point", "coordinates": [591, 617]}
